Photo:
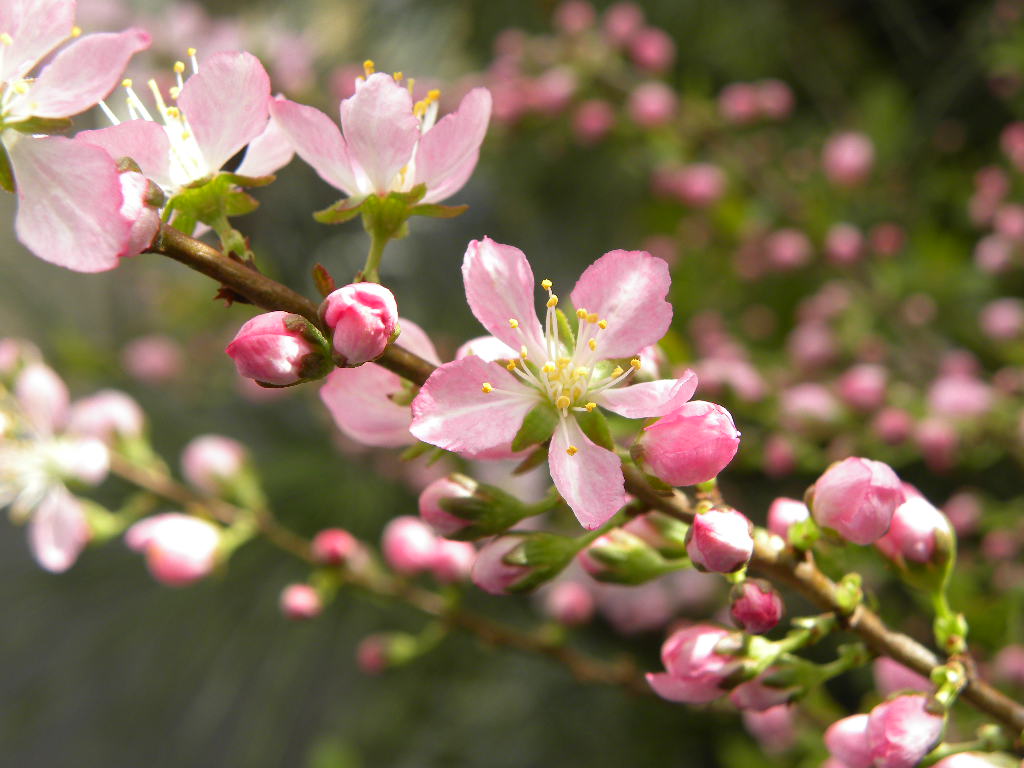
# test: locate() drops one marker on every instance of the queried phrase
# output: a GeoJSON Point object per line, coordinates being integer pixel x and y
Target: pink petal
{"type": "Point", "coordinates": [446, 149]}
{"type": "Point", "coordinates": [36, 27]}
{"type": "Point", "coordinates": [415, 339]}
{"type": "Point", "coordinates": [58, 531]}
{"type": "Point", "coordinates": [591, 480]}
{"type": "Point", "coordinates": [82, 74]}
{"type": "Point", "coordinates": [69, 203]}
{"type": "Point", "coordinates": [499, 287]}
{"type": "Point", "coordinates": [486, 348]}
{"type": "Point", "coordinates": [226, 104]}
{"type": "Point", "coordinates": [674, 689]}
{"type": "Point", "coordinates": [454, 181]}
{"type": "Point", "coordinates": [143, 141]}
{"type": "Point", "coordinates": [452, 411]}
{"type": "Point", "coordinates": [648, 399]}
{"type": "Point", "coordinates": [268, 152]}
{"type": "Point", "coordinates": [380, 128]}
{"type": "Point", "coordinates": [145, 221]}
{"type": "Point", "coordinates": [628, 289]}
{"type": "Point", "coordinates": [360, 401]}
{"type": "Point", "coordinates": [318, 141]}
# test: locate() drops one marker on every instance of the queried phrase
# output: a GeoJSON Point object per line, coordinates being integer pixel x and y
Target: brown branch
{"type": "Point", "coordinates": [780, 564]}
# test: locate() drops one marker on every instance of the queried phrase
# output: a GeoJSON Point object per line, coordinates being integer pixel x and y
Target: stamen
{"type": "Point", "coordinates": [195, 63]}
{"type": "Point", "coordinates": [549, 367]}
{"type": "Point", "coordinates": [76, 31]}
{"type": "Point", "coordinates": [563, 362]}
{"type": "Point", "coordinates": [513, 323]}
{"type": "Point", "coordinates": [511, 365]}
{"type": "Point", "coordinates": [592, 344]}
{"type": "Point", "coordinates": [592, 317]}
{"type": "Point", "coordinates": [397, 76]}
{"type": "Point", "coordinates": [175, 92]}
{"type": "Point", "coordinates": [572, 450]}
{"type": "Point", "coordinates": [553, 301]}
{"type": "Point", "coordinates": [590, 406]}
{"type": "Point", "coordinates": [581, 314]}
{"type": "Point", "coordinates": [411, 83]}
{"type": "Point", "coordinates": [602, 324]}
{"type": "Point", "coordinates": [562, 402]}
{"type": "Point", "coordinates": [546, 284]}
{"type": "Point", "coordinates": [617, 372]}
{"type": "Point", "coordinates": [109, 113]}
{"type": "Point", "coordinates": [635, 363]}
{"type": "Point", "coordinates": [369, 67]}
{"type": "Point", "coordinates": [581, 372]}
{"type": "Point", "coordinates": [6, 39]}
{"type": "Point", "coordinates": [487, 388]}
{"type": "Point", "coordinates": [523, 351]}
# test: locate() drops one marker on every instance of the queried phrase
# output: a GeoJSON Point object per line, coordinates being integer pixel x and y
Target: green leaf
{"type": "Point", "coordinates": [6, 174]}
{"type": "Point", "coordinates": [537, 427]}
{"type": "Point", "coordinates": [344, 210]}
{"type": "Point", "coordinates": [595, 426]}
{"type": "Point", "coordinates": [535, 459]}
{"type": "Point", "coordinates": [565, 334]}
{"type": "Point", "coordinates": [324, 282]}
{"type": "Point", "coordinates": [436, 211]}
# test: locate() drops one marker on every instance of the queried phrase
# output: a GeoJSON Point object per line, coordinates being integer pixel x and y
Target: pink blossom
{"type": "Point", "coordinates": [106, 415]}
{"type": "Point", "coordinates": [389, 144]}
{"type": "Point", "coordinates": [993, 254]}
{"type": "Point", "coordinates": [153, 359]}
{"type": "Point", "coordinates": [857, 498]}
{"type": "Point", "coordinates": [593, 120]}
{"type": "Point", "coordinates": [887, 238]}
{"type": "Point", "coordinates": [300, 602]}
{"type": "Point", "coordinates": [959, 397]}
{"type": "Point", "coordinates": [1011, 140]}
{"type": "Point", "coordinates": [1009, 222]}
{"type": "Point", "coordinates": [901, 731]}
{"type": "Point", "coordinates": [919, 533]}
{"type": "Point", "coordinates": [273, 348]}
{"type": "Point", "coordinates": [362, 318]}
{"type": "Point", "coordinates": [774, 728]}
{"type": "Point", "coordinates": [847, 158]}
{"type": "Point", "coordinates": [720, 540]}
{"type": "Point", "coordinates": [938, 441]}
{"type": "Point", "coordinates": [370, 404]}
{"type": "Point", "coordinates": [1009, 665]}
{"type": "Point", "coordinates": [964, 512]}
{"type": "Point", "coordinates": [408, 545]}
{"type": "Point", "coordinates": [59, 530]}
{"type": "Point", "coordinates": [43, 398]}
{"type": "Point", "coordinates": [775, 98]}
{"type": "Point", "coordinates": [210, 461]}
{"type": "Point", "coordinates": [779, 456]}
{"type": "Point", "coordinates": [334, 546]}
{"type": "Point", "coordinates": [452, 561]}
{"type": "Point", "coordinates": [652, 104]}
{"type": "Point", "coordinates": [476, 408]}
{"type": "Point", "coordinates": [574, 16]}
{"type": "Point", "coordinates": [691, 445]}
{"type": "Point", "coordinates": [621, 21]}
{"type": "Point", "coordinates": [807, 404]}
{"type": "Point", "coordinates": [569, 603]}
{"type": "Point", "coordinates": [847, 741]}
{"type": "Point", "coordinates": [739, 103]}
{"type": "Point", "coordinates": [785, 512]}
{"type": "Point", "coordinates": [1002, 319]}
{"type": "Point", "coordinates": [697, 184]}
{"type": "Point", "coordinates": [892, 677]}
{"type": "Point", "coordinates": [758, 695]}
{"type": "Point", "coordinates": [844, 243]}
{"type": "Point", "coordinates": [863, 386]}
{"type": "Point", "coordinates": [179, 549]}
{"type": "Point", "coordinates": [892, 425]}
{"type": "Point", "coordinates": [694, 671]}
{"type": "Point", "coordinates": [440, 519]}
{"type": "Point", "coordinates": [490, 571]}
{"type": "Point", "coordinates": [652, 49]}
{"type": "Point", "coordinates": [788, 249]}
{"type": "Point", "coordinates": [756, 606]}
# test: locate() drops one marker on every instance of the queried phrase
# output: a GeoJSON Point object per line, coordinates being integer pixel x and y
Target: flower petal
{"type": "Point", "coordinates": [226, 104]}
{"type": "Point", "coordinates": [628, 289]}
{"type": "Point", "coordinates": [58, 531]}
{"type": "Point", "coordinates": [445, 149]}
{"type": "Point", "coordinates": [499, 287]}
{"type": "Point", "coordinates": [590, 480]}
{"type": "Point", "coordinates": [82, 74]}
{"type": "Point", "coordinates": [649, 399]}
{"type": "Point", "coordinates": [486, 348]}
{"type": "Point", "coordinates": [69, 203]}
{"type": "Point", "coordinates": [360, 401]}
{"type": "Point", "coordinates": [143, 141]}
{"type": "Point", "coordinates": [268, 152]}
{"type": "Point", "coordinates": [318, 141]}
{"type": "Point", "coordinates": [454, 181]}
{"type": "Point", "coordinates": [453, 412]}
{"type": "Point", "coordinates": [36, 27]}
{"type": "Point", "coordinates": [380, 128]}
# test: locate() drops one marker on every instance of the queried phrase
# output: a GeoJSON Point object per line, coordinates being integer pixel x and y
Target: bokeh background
{"type": "Point", "coordinates": [101, 666]}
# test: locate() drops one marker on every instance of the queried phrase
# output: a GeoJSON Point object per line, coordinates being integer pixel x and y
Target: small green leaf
{"type": "Point", "coordinates": [436, 211]}
{"type": "Point", "coordinates": [595, 426]}
{"type": "Point", "coordinates": [537, 427]}
{"type": "Point", "coordinates": [6, 174]}
{"type": "Point", "coordinates": [565, 334]}
{"type": "Point", "coordinates": [324, 282]}
{"type": "Point", "coordinates": [344, 210]}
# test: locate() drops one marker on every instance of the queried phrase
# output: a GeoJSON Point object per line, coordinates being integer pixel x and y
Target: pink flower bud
{"type": "Point", "coordinates": [811, 345]}
{"type": "Point", "coordinates": [887, 239]}
{"type": "Point", "coordinates": [807, 405]}
{"type": "Point", "coordinates": [993, 254]}
{"type": "Point", "coordinates": [863, 386]}
{"type": "Point", "coordinates": [919, 533]}
{"type": "Point", "coordinates": [775, 98]}
{"type": "Point", "coordinates": [959, 397]}
{"type": "Point", "coordinates": [847, 158]}
{"type": "Point", "coordinates": [756, 606]}
{"type": "Point", "coordinates": [1002, 319]}
{"type": "Point", "coordinates": [362, 317]}
{"type": "Point", "coordinates": [892, 425]}
{"type": "Point", "coordinates": [692, 444]}
{"type": "Point", "coordinates": [892, 677]}
{"type": "Point", "coordinates": [901, 732]}
{"type": "Point", "coordinates": [779, 456]}
{"type": "Point", "coordinates": [938, 441]}
{"type": "Point", "coordinates": [272, 348]}
{"type": "Point", "coordinates": [210, 461]}
{"type": "Point", "coordinates": [700, 184]}
{"type": "Point", "coordinates": [569, 603]}
{"type": "Point", "coordinates": [622, 21]}
{"type": "Point", "coordinates": [788, 249]}
{"type": "Point", "coordinates": [720, 540]}
{"type": "Point", "coordinates": [694, 672]}
{"type": "Point", "coordinates": [963, 510]}
{"type": "Point", "coordinates": [739, 103]}
{"type": "Point", "coordinates": [153, 359]}
{"type": "Point", "coordinates": [1008, 665]}
{"type": "Point", "coordinates": [593, 120]}
{"type": "Point", "coordinates": [136, 194]}
{"type": "Point", "coordinates": [774, 729]}
{"type": "Point", "coordinates": [491, 573]}
{"type": "Point", "coordinates": [757, 695]}
{"type": "Point", "coordinates": [179, 549]}
{"type": "Point", "coordinates": [441, 520]}
{"type": "Point", "coordinates": [652, 50]}
{"type": "Point", "coordinates": [453, 561]}
{"type": "Point", "coordinates": [43, 398]}
{"type": "Point", "coordinates": [844, 244]}
{"type": "Point", "coordinates": [574, 16]}
{"type": "Point", "coordinates": [847, 741]}
{"type": "Point", "coordinates": [857, 498]}
{"type": "Point", "coordinates": [333, 546]}
{"type": "Point", "coordinates": [783, 513]}
{"type": "Point", "coordinates": [652, 104]}
{"type": "Point", "coordinates": [1011, 140]}
{"type": "Point", "coordinates": [300, 602]}
{"type": "Point", "coordinates": [409, 545]}
{"type": "Point", "coordinates": [1009, 222]}
{"type": "Point", "coordinates": [106, 415]}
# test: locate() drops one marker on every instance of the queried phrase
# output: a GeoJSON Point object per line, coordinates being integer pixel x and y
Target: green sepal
{"type": "Point", "coordinates": [487, 512]}
{"type": "Point", "coordinates": [247, 181]}
{"type": "Point", "coordinates": [565, 334]}
{"type": "Point", "coordinates": [323, 280]}
{"type": "Point", "coordinates": [436, 211]}
{"type": "Point", "coordinates": [414, 451]}
{"type": "Point", "coordinates": [595, 426]}
{"type": "Point", "coordinates": [630, 560]}
{"type": "Point", "coordinates": [210, 201]}
{"type": "Point", "coordinates": [545, 555]}
{"type": "Point", "coordinates": [535, 459]}
{"type": "Point", "coordinates": [411, 197]}
{"type": "Point", "coordinates": [538, 426]}
{"type": "Point", "coordinates": [42, 125]}
{"type": "Point", "coordinates": [6, 173]}
{"type": "Point", "coordinates": [344, 210]}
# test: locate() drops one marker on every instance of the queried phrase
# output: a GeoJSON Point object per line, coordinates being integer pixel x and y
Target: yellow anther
{"type": "Point", "coordinates": [602, 324]}
{"type": "Point", "coordinates": [185, 135]}
{"type": "Point", "coordinates": [522, 351]}
{"type": "Point", "coordinates": [581, 373]}
{"type": "Point", "coordinates": [126, 83]}
{"type": "Point", "coordinates": [487, 388]}
{"type": "Point", "coordinates": [562, 402]}
{"type": "Point", "coordinates": [592, 317]}
{"type": "Point", "coordinates": [179, 67]}
{"type": "Point", "coordinates": [191, 51]}
{"type": "Point", "coordinates": [553, 301]}
{"type": "Point", "coordinates": [546, 284]}
{"type": "Point", "coordinates": [563, 362]}
{"type": "Point", "coordinates": [369, 67]}
{"type": "Point", "coordinates": [590, 406]}
{"type": "Point", "coordinates": [410, 84]}
{"type": "Point", "coordinates": [21, 87]}
{"type": "Point", "coordinates": [397, 76]}
{"type": "Point", "coordinates": [175, 91]}
{"type": "Point", "coordinates": [635, 363]}
{"type": "Point", "coordinates": [6, 39]}
{"type": "Point", "coordinates": [433, 95]}
{"type": "Point", "coordinates": [592, 344]}
{"type": "Point", "coordinates": [581, 314]}
{"type": "Point", "coordinates": [617, 372]}
{"type": "Point", "coordinates": [173, 112]}
{"type": "Point", "coordinates": [76, 31]}
{"type": "Point", "coordinates": [513, 323]}
{"type": "Point", "coordinates": [549, 367]}
{"type": "Point", "coordinates": [572, 450]}
{"type": "Point", "coordinates": [511, 365]}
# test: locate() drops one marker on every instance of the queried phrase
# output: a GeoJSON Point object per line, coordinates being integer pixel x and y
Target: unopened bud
{"type": "Point", "coordinates": [756, 606]}
{"type": "Point", "coordinates": [409, 545]}
{"type": "Point", "coordinates": [857, 498]}
{"type": "Point", "coordinates": [622, 558]}
{"type": "Point", "coordinates": [179, 549]}
{"type": "Point", "coordinates": [695, 671]}
{"type": "Point", "coordinates": [690, 445]}
{"type": "Point", "coordinates": [279, 349]}
{"type": "Point", "coordinates": [519, 562]}
{"type": "Point", "coordinates": [569, 603]}
{"type": "Point", "coordinates": [211, 462]}
{"type": "Point", "coordinates": [363, 317]}
{"type": "Point", "coordinates": [106, 415]}
{"type": "Point", "coordinates": [847, 741]}
{"type": "Point", "coordinates": [720, 540]}
{"type": "Point", "coordinates": [920, 535]}
{"type": "Point", "coordinates": [300, 602]}
{"type": "Point", "coordinates": [442, 489]}
{"type": "Point", "coordinates": [901, 731]}
{"type": "Point", "coordinates": [783, 513]}
{"type": "Point", "coordinates": [453, 561]}
{"type": "Point", "coordinates": [333, 546]}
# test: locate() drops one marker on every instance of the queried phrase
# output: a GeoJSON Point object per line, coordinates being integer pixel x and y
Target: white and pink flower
{"type": "Point", "coordinates": [476, 407]}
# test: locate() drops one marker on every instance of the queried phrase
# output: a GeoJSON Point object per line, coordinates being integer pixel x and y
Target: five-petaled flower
{"type": "Point", "coordinates": [476, 406]}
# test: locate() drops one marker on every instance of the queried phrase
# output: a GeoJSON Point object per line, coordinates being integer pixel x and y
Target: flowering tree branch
{"type": "Point", "coordinates": [780, 563]}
